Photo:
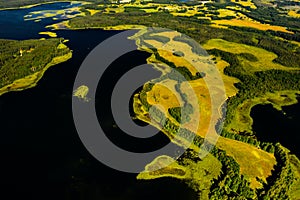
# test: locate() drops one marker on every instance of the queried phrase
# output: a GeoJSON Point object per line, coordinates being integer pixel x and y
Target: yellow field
{"type": "Point", "coordinates": [253, 161]}
{"type": "Point", "coordinates": [92, 12]}
{"type": "Point", "coordinates": [293, 13]}
{"type": "Point", "coordinates": [251, 24]}
{"type": "Point", "coordinates": [164, 94]}
{"type": "Point", "coordinates": [225, 13]}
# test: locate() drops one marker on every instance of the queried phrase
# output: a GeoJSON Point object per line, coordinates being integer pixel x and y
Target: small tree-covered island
{"type": "Point", "coordinates": [254, 45]}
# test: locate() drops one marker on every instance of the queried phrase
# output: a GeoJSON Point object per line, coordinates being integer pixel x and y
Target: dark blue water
{"type": "Point", "coordinates": [271, 125]}
{"type": "Point", "coordinates": [42, 156]}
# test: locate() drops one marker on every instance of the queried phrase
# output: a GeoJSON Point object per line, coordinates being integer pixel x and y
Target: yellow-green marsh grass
{"type": "Point", "coordinates": [50, 34]}
{"type": "Point", "coordinates": [123, 27]}
{"type": "Point", "coordinates": [59, 26]}
{"type": "Point", "coordinates": [92, 11]}
{"type": "Point", "coordinates": [293, 13]}
{"type": "Point", "coordinates": [242, 120]}
{"type": "Point", "coordinates": [198, 174]}
{"type": "Point", "coordinates": [254, 163]}
{"type": "Point", "coordinates": [251, 24]}
{"type": "Point", "coordinates": [164, 94]}
{"type": "Point", "coordinates": [226, 12]}
{"type": "Point", "coordinates": [81, 93]}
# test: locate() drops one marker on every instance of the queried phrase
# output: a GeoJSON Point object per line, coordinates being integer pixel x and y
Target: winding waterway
{"type": "Point", "coordinates": [42, 156]}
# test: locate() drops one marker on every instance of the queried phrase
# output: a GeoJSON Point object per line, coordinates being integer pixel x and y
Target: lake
{"type": "Point", "coordinates": [42, 156]}
{"type": "Point", "coordinates": [271, 125]}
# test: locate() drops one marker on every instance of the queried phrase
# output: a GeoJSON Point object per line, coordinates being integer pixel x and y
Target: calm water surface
{"type": "Point", "coordinates": [274, 126]}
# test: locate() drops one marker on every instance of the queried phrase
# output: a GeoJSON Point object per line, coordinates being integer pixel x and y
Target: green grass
{"type": "Point", "coordinates": [253, 59]}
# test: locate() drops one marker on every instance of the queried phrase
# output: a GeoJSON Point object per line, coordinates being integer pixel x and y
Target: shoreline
{"type": "Point", "coordinates": [31, 81]}
{"type": "Point", "coordinates": [42, 3]}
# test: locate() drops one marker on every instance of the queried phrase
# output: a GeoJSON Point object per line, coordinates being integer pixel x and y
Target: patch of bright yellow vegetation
{"type": "Point", "coordinates": [251, 24]}
{"type": "Point", "coordinates": [61, 46]}
{"type": "Point", "coordinates": [265, 58]}
{"type": "Point", "coordinates": [293, 13]}
{"type": "Point", "coordinates": [119, 9]}
{"type": "Point", "coordinates": [60, 25]}
{"type": "Point", "coordinates": [50, 34]}
{"type": "Point", "coordinates": [92, 12]}
{"type": "Point", "coordinates": [123, 27]}
{"type": "Point", "coordinates": [81, 93]}
{"type": "Point", "coordinates": [164, 94]}
{"type": "Point", "coordinates": [248, 3]}
{"type": "Point", "coordinates": [253, 162]}
{"type": "Point", "coordinates": [198, 174]}
{"type": "Point", "coordinates": [226, 12]}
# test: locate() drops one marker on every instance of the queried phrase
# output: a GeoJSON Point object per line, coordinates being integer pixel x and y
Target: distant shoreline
{"type": "Point", "coordinates": [39, 4]}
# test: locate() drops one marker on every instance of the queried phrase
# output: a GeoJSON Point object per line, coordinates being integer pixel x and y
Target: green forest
{"type": "Point", "coordinates": [22, 58]}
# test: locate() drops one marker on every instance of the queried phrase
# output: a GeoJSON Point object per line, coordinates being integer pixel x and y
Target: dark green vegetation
{"type": "Point", "coordinates": [257, 84]}
{"type": "Point", "coordinates": [22, 58]}
{"type": "Point", "coordinates": [196, 29]}
{"type": "Point", "coordinates": [273, 16]}
{"type": "Point", "coordinates": [236, 185]}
